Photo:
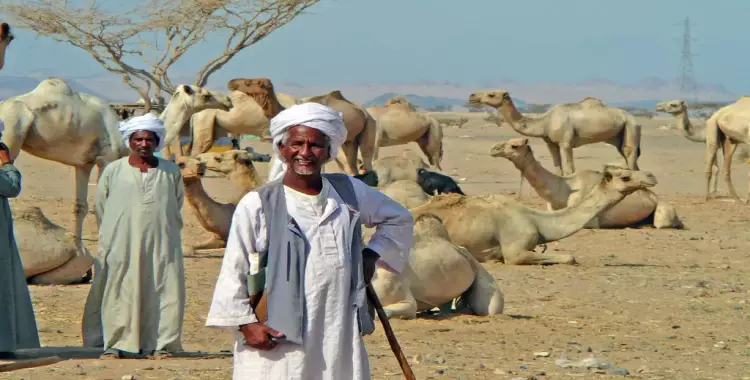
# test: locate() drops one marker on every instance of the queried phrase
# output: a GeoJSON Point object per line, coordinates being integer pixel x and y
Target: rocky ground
{"type": "Point", "coordinates": [657, 304]}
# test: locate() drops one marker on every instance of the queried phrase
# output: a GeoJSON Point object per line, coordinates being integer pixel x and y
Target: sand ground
{"type": "Point", "coordinates": [663, 304]}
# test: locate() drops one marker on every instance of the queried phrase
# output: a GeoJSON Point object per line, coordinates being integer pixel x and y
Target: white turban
{"type": "Point", "coordinates": [148, 122]}
{"type": "Point", "coordinates": [313, 115]}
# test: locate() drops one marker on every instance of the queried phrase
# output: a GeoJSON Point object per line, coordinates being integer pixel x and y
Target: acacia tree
{"type": "Point", "coordinates": [143, 41]}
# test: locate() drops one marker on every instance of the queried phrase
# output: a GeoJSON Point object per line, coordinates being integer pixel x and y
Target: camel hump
{"type": "Point", "coordinates": [336, 94]}
{"type": "Point", "coordinates": [592, 101]}
{"type": "Point", "coordinates": [54, 84]}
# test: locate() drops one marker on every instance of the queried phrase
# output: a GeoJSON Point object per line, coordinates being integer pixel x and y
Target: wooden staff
{"type": "Point", "coordinates": [373, 297]}
{"type": "Point", "coordinates": [29, 363]}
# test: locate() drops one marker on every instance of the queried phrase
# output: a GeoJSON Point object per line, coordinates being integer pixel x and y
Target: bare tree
{"type": "Point", "coordinates": [142, 42]}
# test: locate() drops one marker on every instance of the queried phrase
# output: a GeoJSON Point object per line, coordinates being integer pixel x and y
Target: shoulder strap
{"type": "Point", "coordinates": [343, 185]}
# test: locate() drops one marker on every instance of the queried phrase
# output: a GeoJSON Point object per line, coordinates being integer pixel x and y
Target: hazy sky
{"type": "Point", "coordinates": [468, 42]}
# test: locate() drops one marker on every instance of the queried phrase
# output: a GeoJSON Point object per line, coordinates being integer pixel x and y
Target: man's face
{"type": "Point", "coordinates": [305, 150]}
{"type": "Point", "coordinates": [144, 143]}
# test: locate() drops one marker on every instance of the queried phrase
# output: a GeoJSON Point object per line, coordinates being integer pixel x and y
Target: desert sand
{"type": "Point", "coordinates": [662, 304]}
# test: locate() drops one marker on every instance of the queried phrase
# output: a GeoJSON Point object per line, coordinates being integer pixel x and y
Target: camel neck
{"type": "Point", "coordinates": [560, 224]}
{"type": "Point", "coordinates": [551, 187]}
{"type": "Point", "coordinates": [244, 178]}
{"type": "Point", "coordinates": [688, 130]}
{"type": "Point", "coordinates": [532, 127]}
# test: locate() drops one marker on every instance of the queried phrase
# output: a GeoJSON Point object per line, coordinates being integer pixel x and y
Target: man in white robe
{"type": "Point", "coordinates": [137, 299]}
{"type": "Point", "coordinates": [305, 137]}
{"type": "Point", "coordinates": [17, 323]}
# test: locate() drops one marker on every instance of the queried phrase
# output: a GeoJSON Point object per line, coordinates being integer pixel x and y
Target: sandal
{"type": "Point", "coordinates": [161, 354]}
{"type": "Point", "coordinates": [111, 353]}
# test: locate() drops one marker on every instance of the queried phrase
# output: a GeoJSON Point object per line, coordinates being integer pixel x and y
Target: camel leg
{"type": "Point", "coordinates": [712, 146]}
{"type": "Point", "coordinates": [515, 253]}
{"type": "Point", "coordinates": [631, 145]}
{"type": "Point", "coordinates": [729, 147]}
{"type": "Point", "coordinates": [554, 151]}
{"type": "Point", "coordinates": [483, 296]}
{"type": "Point", "coordinates": [378, 140]}
{"type": "Point", "coordinates": [432, 149]}
{"type": "Point", "coordinates": [349, 149]}
{"type": "Point", "coordinates": [567, 152]}
{"type": "Point", "coordinates": [213, 242]}
{"type": "Point", "coordinates": [366, 140]}
{"type": "Point", "coordinates": [202, 140]}
{"type": "Point", "coordinates": [81, 208]}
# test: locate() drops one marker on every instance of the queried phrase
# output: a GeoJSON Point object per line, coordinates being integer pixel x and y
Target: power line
{"type": "Point", "coordinates": [688, 86]}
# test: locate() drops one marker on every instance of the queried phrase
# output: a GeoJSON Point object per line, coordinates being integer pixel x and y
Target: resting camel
{"type": "Point", "coordinates": [406, 192]}
{"type": "Point", "coordinates": [48, 252]}
{"type": "Point", "coordinates": [394, 168]}
{"type": "Point", "coordinates": [6, 37]}
{"type": "Point", "coordinates": [213, 216]}
{"type": "Point", "coordinates": [186, 101]}
{"type": "Point", "coordinates": [727, 127]}
{"type": "Point", "coordinates": [360, 125]}
{"type": "Point", "coordinates": [571, 125]}
{"type": "Point", "coordinates": [500, 228]}
{"type": "Point", "coordinates": [398, 123]}
{"type": "Point", "coordinates": [235, 164]}
{"type": "Point", "coordinates": [55, 123]}
{"type": "Point", "coordinates": [437, 272]}
{"type": "Point", "coordinates": [638, 208]}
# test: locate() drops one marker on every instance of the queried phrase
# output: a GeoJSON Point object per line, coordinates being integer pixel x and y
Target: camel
{"type": "Point", "coordinates": [186, 101]}
{"type": "Point", "coordinates": [728, 127]}
{"type": "Point", "coordinates": [398, 122]}
{"type": "Point", "coordinates": [571, 125]}
{"type": "Point", "coordinates": [235, 164]}
{"type": "Point", "coordinates": [245, 117]}
{"type": "Point", "coordinates": [437, 272]}
{"type": "Point", "coordinates": [678, 109]}
{"type": "Point", "coordinates": [406, 192]}
{"type": "Point", "coordinates": [360, 125]}
{"type": "Point", "coordinates": [55, 123]}
{"type": "Point", "coordinates": [213, 216]}
{"type": "Point", "coordinates": [48, 252]}
{"type": "Point", "coordinates": [394, 168]}
{"type": "Point", "coordinates": [640, 207]}
{"type": "Point", "coordinates": [500, 228]}
{"type": "Point", "coordinates": [6, 37]}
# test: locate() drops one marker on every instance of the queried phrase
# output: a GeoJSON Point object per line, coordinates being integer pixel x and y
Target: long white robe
{"type": "Point", "coordinates": [17, 324]}
{"type": "Point", "coordinates": [333, 348]}
{"type": "Point", "coordinates": [137, 299]}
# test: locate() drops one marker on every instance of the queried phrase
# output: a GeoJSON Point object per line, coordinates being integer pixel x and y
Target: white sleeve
{"type": "Point", "coordinates": [394, 232]}
{"type": "Point", "coordinates": [230, 306]}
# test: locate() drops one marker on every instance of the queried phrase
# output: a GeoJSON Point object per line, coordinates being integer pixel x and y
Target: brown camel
{"type": "Point", "coordinates": [361, 128]}
{"type": "Point", "coordinates": [571, 125]}
{"type": "Point", "coordinates": [500, 228]}
{"type": "Point", "coordinates": [213, 216]}
{"type": "Point", "coordinates": [235, 164]}
{"type": "Point", "coordinates": [399, 122]}
{"type": "Point", "coordinates": [638, 208]}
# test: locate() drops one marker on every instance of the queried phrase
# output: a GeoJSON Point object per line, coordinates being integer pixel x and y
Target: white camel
{"type": "Point", "coordinates": [55, 123]}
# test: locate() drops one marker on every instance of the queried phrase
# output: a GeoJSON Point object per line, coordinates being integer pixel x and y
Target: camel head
{"type": "Point", "coordinates": [626, 181]}
{"type": "Point", "coordinates": [512, 149]}
{"type": "Point", "coordinates": [6, 36]}
{"type": "Point", "coordinates": [186, 101]}
{"type": "Point", "coordinates": [261, 90]}
{"type": "Point", "coordinates": [191, 168]}
{"type": "Point", "coordinates": [222, 98]}
{"type": "Point", "coordinates": [492, 98]}
{"type": "Point", "coordinates": [400, 101]}
{"type": "Point", "coordinates": [227, 161]}
{"type": "Point", "coordinates": [674, 107]}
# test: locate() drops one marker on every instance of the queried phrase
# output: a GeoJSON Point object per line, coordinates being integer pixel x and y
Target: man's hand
{"type": "Point", "coordinates": [4, 155]}
{"type": "Point", "coordinates": [369, 258]}
{"type": "Point", "coordinates": [257, 335]}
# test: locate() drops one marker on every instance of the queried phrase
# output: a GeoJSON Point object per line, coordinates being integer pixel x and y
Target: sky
{"type": "Point", "coordinates": [341, 42]}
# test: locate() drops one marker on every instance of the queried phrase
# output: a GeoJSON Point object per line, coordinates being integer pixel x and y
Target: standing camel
{"type": "Point", "coordinates": [571, 125]}
{"type": "Point", "coordinates": [678, 109]}
{"type": "Point", "coordinates": [727, 127]}
{"type": "Point", "coordinates": [399, 122]}
{"type": "Point", "coordinates": [186, 101]}
{"type": "Point", "coordinates": [55, 123]}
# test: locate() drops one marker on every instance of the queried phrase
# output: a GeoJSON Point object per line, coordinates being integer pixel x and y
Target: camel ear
{"type": "Point", "coordinates": [607, 176]}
